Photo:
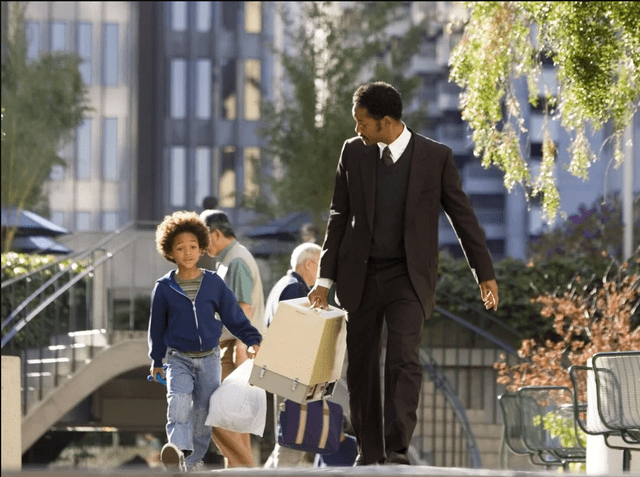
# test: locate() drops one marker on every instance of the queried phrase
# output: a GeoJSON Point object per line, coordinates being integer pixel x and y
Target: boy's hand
{"type": "Point", "coordinates": [252, 351]}
{"type": "Point", "coordinates": [155, 371]}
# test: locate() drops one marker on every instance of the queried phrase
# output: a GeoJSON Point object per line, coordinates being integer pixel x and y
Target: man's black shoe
{"type": "Point", "coordinates": [360, 461]}
{"type": "Point", "coordinates": [397, 458]}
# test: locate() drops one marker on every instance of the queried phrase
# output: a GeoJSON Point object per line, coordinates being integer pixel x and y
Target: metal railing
{"type": "Point", "coordinates": [48, 315]}
{"type": "Point", "coordinates": [458, 355]}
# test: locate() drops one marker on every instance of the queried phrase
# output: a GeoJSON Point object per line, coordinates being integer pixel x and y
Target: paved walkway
{"type": "Point", "coordinates": [372, 471]}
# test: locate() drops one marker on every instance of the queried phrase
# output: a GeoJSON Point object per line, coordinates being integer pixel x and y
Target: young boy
{"type": "Point", "coordinates": [188, 308]}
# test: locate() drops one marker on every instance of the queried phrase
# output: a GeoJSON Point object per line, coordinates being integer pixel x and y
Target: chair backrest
{"type": "Point", "coordinates": [512, 420]}
{"type": "Point", "coordinates": [617, 377]}
{"type": "Point", "coordinates": [548, 420]}
{"type": "Point", "coordinates": [585, 412]}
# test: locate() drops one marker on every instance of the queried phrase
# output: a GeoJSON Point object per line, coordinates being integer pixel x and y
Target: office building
{"type": "Point", "coordinates": [204, 68]}
{"type": "Point", "coordinates": [95, 191]}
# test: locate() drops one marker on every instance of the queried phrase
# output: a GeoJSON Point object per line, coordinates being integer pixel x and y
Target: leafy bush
{"type": "Point", "coordinates": [518, 284]}
{"type": "Point", "coordinates": [67, 313]}
{"type": "Point", "coordinates": [589, 316]}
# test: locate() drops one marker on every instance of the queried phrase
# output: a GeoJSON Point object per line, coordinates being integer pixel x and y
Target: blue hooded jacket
{"type": "Point", "coordinates": [179, 323]}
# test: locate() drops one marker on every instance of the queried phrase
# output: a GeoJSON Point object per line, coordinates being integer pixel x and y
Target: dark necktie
{"type": "Point", "coordinates": [386, 156]}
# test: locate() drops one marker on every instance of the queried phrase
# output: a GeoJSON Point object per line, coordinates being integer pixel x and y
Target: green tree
{"type": "Point", "coordinates": [595, 47]}
{"type": "Point", "coordinates": [45, 101]}
{"type": "Point", "coordinates": [330, 58]}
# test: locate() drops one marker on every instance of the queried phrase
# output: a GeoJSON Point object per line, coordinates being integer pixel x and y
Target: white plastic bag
{"type": "Point", "coordinates": [237, 405]}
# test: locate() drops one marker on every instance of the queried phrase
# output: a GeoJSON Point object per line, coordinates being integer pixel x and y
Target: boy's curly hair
{"type": "Point", "coordinates": [177, 223]}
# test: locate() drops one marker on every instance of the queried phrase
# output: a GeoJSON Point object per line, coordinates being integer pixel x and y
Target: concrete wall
{"type": "Point", "coordinates": [11, 415]}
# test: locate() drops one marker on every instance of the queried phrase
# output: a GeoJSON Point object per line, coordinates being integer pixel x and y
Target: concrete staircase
{"type": "Point", "coordinates": [60, 376]}
{"type": "Point", "coordinates": [50, 367]}
{"type": "Point", "coordinates": [440, 433]}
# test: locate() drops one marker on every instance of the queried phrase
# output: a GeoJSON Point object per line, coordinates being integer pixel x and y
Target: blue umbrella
{"type": "Point", "coordinates": [30, 224]}
{"type": "Point", "coordinates": [43, 245]}
{"type": "Point", "coordinates": [285, 228]}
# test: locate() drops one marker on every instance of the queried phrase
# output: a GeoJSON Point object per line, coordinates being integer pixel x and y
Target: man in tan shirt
{"type": "Point", "coordinates": [237, 267]}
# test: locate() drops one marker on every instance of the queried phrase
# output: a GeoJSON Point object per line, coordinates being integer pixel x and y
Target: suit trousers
{"type": "Point", "coordinates": [388, 297]}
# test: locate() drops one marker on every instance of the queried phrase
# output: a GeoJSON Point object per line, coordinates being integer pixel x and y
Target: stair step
{"type": "Point", "coordinates": [98, 338]}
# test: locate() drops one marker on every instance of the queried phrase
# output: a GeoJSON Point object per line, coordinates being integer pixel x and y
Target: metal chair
{"type": "Point", "coordinates": [512, 418]}
{"type": "Point", "coordinates": [614, 379]}
{"type": "Point", "coordinates": [548, 422]}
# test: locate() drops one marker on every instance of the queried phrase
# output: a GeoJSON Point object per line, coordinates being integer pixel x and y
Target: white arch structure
{"type": "Point", "coordinates": [106, 365]}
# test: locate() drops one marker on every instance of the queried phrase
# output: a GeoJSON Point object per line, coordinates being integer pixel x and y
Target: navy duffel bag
{"type": "Point", "coordinates": [311, 427]}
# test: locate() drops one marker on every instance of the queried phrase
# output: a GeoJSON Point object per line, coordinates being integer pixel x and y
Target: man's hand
{"type": "Point", "coordinates": [489, 294]}
{"type": "Point", "coordinates": [318, 297]}
{"type": "Point", "coordinates": [155, 372]}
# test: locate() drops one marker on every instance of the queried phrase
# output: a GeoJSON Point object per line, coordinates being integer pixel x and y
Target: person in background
{"type": "Point", "coordinates": [237, 267]}
{"type": "Point", "coordinates": [309, 233]}
{"type": "Point", "coordinates": [295, 284]}
{"type": "Point", "coordinates": [188, 309]}
{"type": "Point", "coordinates": [210, 202]}
{"type": "Point", "coordinates": [381, 250]}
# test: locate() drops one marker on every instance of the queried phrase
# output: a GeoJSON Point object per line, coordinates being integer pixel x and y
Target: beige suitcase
{"type": "Point", "coordinates": [302, 352]}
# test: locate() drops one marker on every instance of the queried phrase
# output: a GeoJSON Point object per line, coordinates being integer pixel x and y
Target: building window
{"type": "Point", "coordinates": [32, 35]}
{"type": "Point", "coordinates": [110, 149]}
{"type": "Point", "coordinates": [203, 16]}
{"type": "Point", "coordinates": [251, 164]}
{"type": "Point", "coordinates": [179, 16]}
{"type": "Point", "coordinates": [178, 89]}
{"type": "Point", "coordinates": [535, 150]}
{"type": "Point", "coordinates": [109, 221]}
{"type": "Point", "coordinates": [83, 221]}
{"type": "Point", "coordinates": [85, 50]}
{"type": "Point", "coordinates": [110, 55]}
{"type": "Point", "coordinates": [229, 90]}
{"type": "Point", "coordinates": [56, 173]}
{"type": "Point", "coordinates": [58, 36]}
{"type": "Point", "coordinates": [203, 89]}
{"type": "Point", "coordinates": [227, 184]}
{"type": "Point", "coordinates": [83, 150]}
{"type": "Point", "coordinates": [229, 15]}
{"type": "Point", "coordinates": [178, 177]}
{"type": "Point", "coordinates": [202, 174]}
{"type": "Point", "coordinates": [252, 90]}
{"type": "Point", "coordinates": [253, 17]}
{"type": "Point", "coordinates": [57, 217]}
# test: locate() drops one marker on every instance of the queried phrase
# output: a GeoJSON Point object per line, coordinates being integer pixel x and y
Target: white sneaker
{"type": "Point", "coordinates": [172, 457]}
{"type": "Point", "coordinates": [195, 467]}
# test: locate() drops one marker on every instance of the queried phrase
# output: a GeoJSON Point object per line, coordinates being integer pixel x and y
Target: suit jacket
{"type": "Point", "coordinates": [434, 181]}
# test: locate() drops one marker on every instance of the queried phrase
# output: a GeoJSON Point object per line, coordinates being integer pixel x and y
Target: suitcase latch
{"type": "Point", "coordinates": [294, 385]}
{"type": "Point", "coordinates": [263, 370]}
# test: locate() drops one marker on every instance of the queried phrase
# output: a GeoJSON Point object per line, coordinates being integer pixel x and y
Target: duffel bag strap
{"type": "Point", "coordinates": [326, 421]}
{"type": "Point", "coordinates": [302, 423]}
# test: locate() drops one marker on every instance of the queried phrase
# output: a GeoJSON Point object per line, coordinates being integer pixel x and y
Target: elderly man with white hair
{"type": "Point", "coordinates": [295, 284]}
{"type": "Point", "coordinates": [301, 276]}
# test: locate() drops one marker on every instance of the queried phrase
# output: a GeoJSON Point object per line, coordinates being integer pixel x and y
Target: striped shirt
{"type": "Point", "coordinates": [189, 287]}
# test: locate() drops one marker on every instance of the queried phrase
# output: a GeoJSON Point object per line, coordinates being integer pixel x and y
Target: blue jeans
{"type": "Point", "coordinates": [190, 384]}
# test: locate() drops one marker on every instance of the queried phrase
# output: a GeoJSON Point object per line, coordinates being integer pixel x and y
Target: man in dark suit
{"type": "Point", "coordinates": [381, 250]}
